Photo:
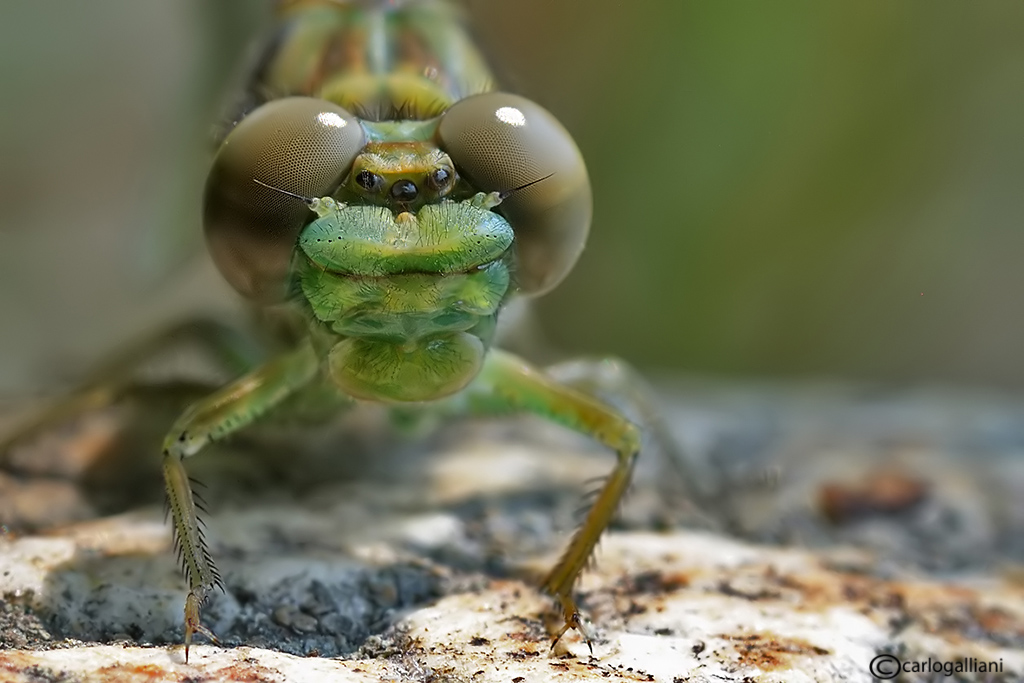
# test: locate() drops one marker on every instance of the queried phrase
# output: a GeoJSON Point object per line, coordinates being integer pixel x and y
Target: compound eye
{"type": "Point", "coordinates": [298, 144]}
{"type": "Point", "coordinates": [500, 142]}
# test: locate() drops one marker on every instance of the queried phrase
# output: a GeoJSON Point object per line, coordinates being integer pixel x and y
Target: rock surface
{"type": "Point", "coordinates": [823, 528]}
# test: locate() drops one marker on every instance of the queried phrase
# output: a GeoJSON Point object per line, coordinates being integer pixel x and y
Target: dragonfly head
{"type": "Point", "coordinates": [494, 143]}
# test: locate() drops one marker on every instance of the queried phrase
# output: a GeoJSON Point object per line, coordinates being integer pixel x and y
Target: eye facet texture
{"type": "Point", "coordinates": [298, 144]}
{"type": "Point", "coordinates": [500, 142]}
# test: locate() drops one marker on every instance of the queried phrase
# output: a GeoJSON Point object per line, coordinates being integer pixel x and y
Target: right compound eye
{"type": "Point", "coordinates": [301, 145]}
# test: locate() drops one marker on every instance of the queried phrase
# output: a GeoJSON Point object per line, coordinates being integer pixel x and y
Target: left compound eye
{"type": "Point", "coordinates": [500, 142]}
{"type": "Point", "coordinates": [297, 144]}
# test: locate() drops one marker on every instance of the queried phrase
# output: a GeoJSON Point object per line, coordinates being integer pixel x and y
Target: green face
{"type": "Point", "coordinates": [493, 143]}
{"type": "Point", "coordinates": [405, 304]}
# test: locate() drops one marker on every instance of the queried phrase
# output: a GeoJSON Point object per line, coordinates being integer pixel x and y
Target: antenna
{"type": "Point", "coordinates": [308, 201]}
{"type": "Point", "coordinates": [508, 193]}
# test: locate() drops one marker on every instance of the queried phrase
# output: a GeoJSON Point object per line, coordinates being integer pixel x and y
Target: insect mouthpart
{"type": "Point", "coordinates": [443, 239]}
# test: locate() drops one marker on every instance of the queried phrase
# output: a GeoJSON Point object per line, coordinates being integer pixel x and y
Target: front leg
{"type": "Point", "coordinates": [225, 411]}
{"type": "Point", "coordinates": [506, 381]}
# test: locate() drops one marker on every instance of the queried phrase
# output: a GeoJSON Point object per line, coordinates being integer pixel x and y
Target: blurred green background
{"type": "Point", "coordinates": [784, 189]}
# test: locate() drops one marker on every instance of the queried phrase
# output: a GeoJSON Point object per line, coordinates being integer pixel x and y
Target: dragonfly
{"type": "Point", "coordinates": [380, 200]}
